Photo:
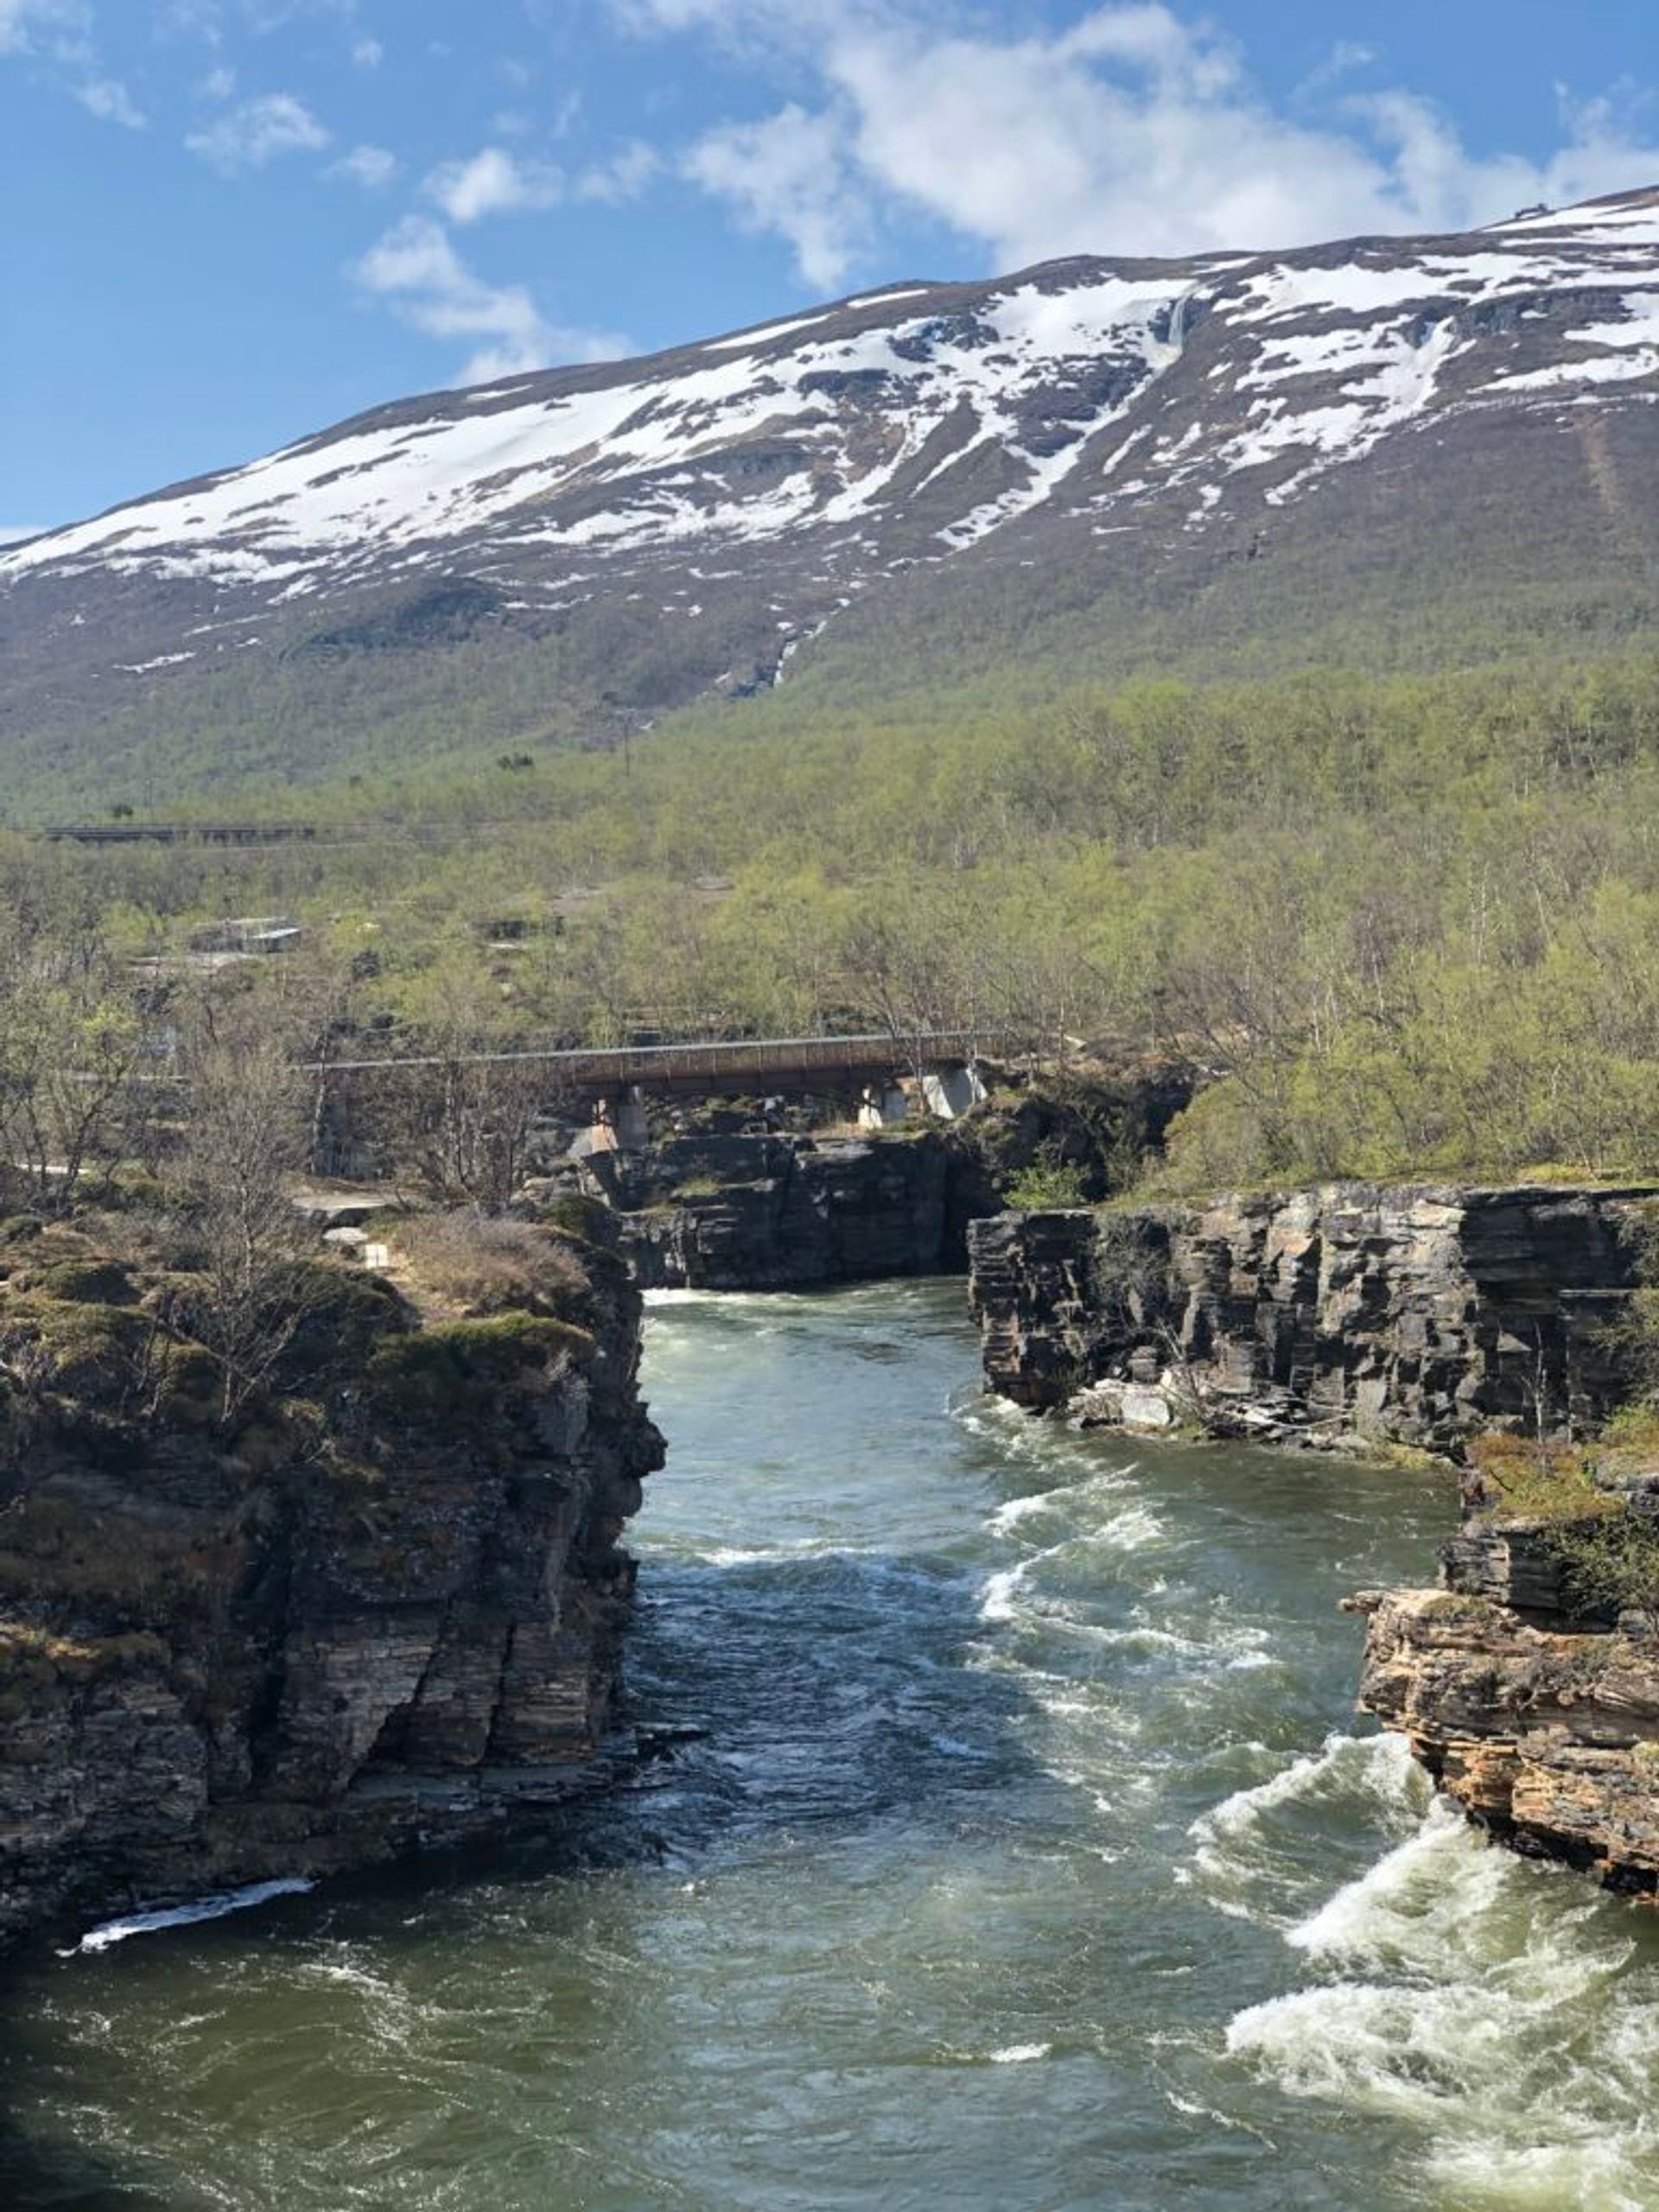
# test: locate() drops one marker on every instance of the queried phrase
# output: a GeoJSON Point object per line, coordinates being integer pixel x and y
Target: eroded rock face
{"type": "Point", "coordinates": [316, 1641]}
{"type": "Point", "coordinates": [780, 1212]}
{"type": "Point", "coordinates": [1415, 1315]}
{"type": "Point", "coordinates": [1542, 1725]}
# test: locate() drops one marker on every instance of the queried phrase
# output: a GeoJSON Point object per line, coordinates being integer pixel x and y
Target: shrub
{"type": "Point", "coordinates": [574, 1214]}
{"type": "Point", "coordinates": [1633, 1431]}
{"type": "Point", "coordinates": [87, 1283]}
{"type": "Point", "coordinates": [1608, 1554]}
{"type": "Point", "coordinates": [94, 1352]}
{"type": "Point", "coordinates": [492, 1263]}
{"type": "Point", "coordinates": [1049, 1183]}
{"type": "Point", "coordinates": [455, 1369]}
{"type": "Point", "coordinates": [1541, 1481]}
{"type": "Point", "coordinates": [1611, 1564]}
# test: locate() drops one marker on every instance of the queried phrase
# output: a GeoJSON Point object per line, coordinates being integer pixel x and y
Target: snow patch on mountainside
{"type": "Point", "coordinates": [918, 422]}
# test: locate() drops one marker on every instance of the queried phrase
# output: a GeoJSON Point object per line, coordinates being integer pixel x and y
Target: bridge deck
{"type": "Point", "coordinates": [710, 1064]}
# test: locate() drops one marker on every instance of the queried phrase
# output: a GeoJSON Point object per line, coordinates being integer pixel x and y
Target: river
{"type": "Point", "coordinates": [1032, 1860]}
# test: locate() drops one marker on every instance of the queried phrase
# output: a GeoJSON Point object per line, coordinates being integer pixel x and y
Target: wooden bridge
{"type": "Point", "coordinates": [711, 1066]}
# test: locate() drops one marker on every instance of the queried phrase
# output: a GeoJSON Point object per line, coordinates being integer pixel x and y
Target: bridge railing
{"type": "Point", "coordinates": [705, 1060]}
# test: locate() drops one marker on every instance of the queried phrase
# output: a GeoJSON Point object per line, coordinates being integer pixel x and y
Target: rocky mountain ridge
{"type": "Point", "coordinates": [654, 531]}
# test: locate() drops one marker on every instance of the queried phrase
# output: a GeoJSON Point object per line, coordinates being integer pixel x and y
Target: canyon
{"type": "Point", "coordinates": [384, 1606]}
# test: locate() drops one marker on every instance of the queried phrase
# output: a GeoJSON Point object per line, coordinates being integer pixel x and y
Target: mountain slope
{"type": "Point", "coordinates": [1378, 447]}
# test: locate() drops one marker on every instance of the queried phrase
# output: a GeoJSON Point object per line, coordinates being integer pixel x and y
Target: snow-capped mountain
{"type": "Point", "coordinates": [736, 497]}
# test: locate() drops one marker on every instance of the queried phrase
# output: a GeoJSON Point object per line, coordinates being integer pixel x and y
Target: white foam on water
{"type": "Point", "coordinates": [1506, 2011]}
{"type": "Point", "coordinates": [1020, 2054]}
{"type": "Point", "coordinates": [996, 1599]}
{"type": "Point", "coordinates": [1402, 2049]}
{"type": "Point", "coordinates": [1413, 1898]}
{"type": "Point", "coordinates": [800, 1547]}
{"type": "Point", "coordinates": [1132, 1530]}
{"type": "Point", "coordinates": [1515, 2114]}
{"type": "Point", "coordinates": [1375, 1773]}
{"type": "Point", "coordinates": [1007, 1517]}
{"type": "Point", "coordinates": [1382, 1767]}
{"type": "Point", "coordinates": [184, 1916]}
{"type": "Point", "coordinates": [1591, 2174]}
{"type": "Point", "coordinates": [1070, 1500]}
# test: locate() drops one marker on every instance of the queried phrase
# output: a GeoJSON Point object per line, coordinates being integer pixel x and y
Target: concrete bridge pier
{"type": "Point", "coordinates": [883, 1105]}
{"type": "Point", "coordinates": [620, 1121]}
{"type": "Point", "coordinates": [945, 1094]}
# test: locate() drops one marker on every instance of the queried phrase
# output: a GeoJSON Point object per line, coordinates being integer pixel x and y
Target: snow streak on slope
{"type": "Point", "coordinates": [808, 459]}
{"type": "Point", "coordinates": [653, 445]}
{"type": "Point", "coordinates": [1329, 355]}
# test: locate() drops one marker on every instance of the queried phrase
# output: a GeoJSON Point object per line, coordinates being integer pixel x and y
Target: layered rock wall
{"type": "Point", "coordinates": [386, 1614]}
{"type": "Point", "coordinates": [1539, 1718]}
{"type": "Point", "coordinates": [781, 1212]}
{"type": "Point", "coordinates": [1415, 1315]}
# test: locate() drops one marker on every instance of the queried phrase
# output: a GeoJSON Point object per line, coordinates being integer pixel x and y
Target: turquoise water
{"type": "Point", "coordinates": [1033, 1859]}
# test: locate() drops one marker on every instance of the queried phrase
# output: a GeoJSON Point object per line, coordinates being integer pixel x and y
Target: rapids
{"type": "Point", "coordinates": [1031, 1858]}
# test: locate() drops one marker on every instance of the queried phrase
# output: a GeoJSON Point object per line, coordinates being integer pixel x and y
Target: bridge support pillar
{"type": "Point", "coordinates": [950, 1093]}
{"type": "Point", "coordinates": [882, 1106]}
{"type": "Point", "coordinates": [620, 1121]}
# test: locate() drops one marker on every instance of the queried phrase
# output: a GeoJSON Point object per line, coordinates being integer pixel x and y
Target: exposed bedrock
{"type": "Point", "coordinates": [1413, 1315]}
{"type": "Point", "coordinates": [728, 1210]}
{"type": "Point", "coordinates": [1538, 1715]}
{"type": "Point", "coordinates": [381, 1607]}
{"type": "Point", "coordinates": [785, 1212]}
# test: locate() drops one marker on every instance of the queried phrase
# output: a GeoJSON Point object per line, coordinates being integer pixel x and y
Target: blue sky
{"type": "Point", "coordinates": [232, 222]}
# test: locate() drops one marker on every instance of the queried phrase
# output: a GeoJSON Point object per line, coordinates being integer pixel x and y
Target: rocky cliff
{"type": "Point", "coordinates": [375, 1604]}
{"type": "Point", "coordinates": [789, 1213]}
{"type": "Point", "coordinates": [731, 1209]}
{"type": "Point", "coordinates": [1527, 1682]}
{"type": "Point", "coordinates": [1415, 1315]}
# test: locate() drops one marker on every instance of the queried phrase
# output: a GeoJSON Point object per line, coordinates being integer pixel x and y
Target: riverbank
{"type": "Point", "coordinates": [376, 1600]}
{"type": "Point", "coordinates": [1413, 1315]}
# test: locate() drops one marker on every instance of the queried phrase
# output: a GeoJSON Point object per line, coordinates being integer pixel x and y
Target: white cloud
{"type": "Point", "coordinates": [108, 99]}
{"type": "Point", "coordinates": [371, 167]}
{"type": "Point", "coordinates": [415, 268]}
{"type": "Point", "coordinates": [256, 132]}
{"type": "Point", "coordinates": [218, 84]}
{"type": "Point", "coordinates": [1346, 58]}
{"type": "Point", "coordinates": [791, 174]}
{"type": "Point", "coordinates": [188, 19]}
{"type": "Point", "coordinates": [368, 53]}
{"type": "Point", "coordinates": [624, 177]}
{"type": "Point", "coordinates": [25, 23]}
{"type": "Point", "coordinates": [1134, 130]}
{"type": "Point", "coordinates": [495, 182]}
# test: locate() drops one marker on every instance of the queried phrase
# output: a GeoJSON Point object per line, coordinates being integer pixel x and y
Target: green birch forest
{"type": "Point", "coordinates": [1401, 924]}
